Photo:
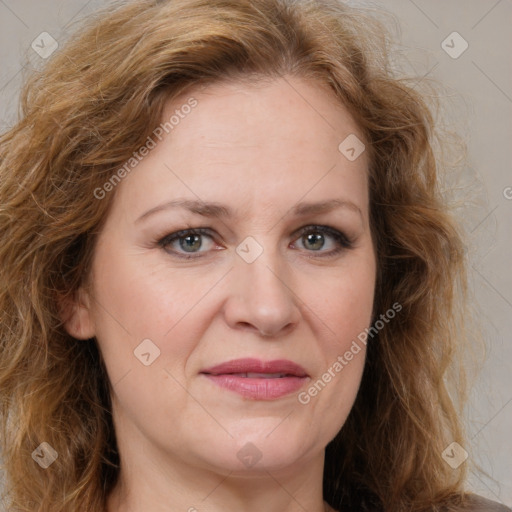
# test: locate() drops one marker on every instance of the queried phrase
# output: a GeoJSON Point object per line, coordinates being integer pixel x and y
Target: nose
{"type": "Point", "coordinates": [262, 296]}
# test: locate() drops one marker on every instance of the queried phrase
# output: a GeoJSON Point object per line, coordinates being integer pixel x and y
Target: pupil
{"type": "Point", "coordinates": [190, 245]}
{"type": "Point", "coordinates": [315, 238]}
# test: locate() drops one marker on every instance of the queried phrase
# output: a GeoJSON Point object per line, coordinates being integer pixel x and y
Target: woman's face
{"type": "Point", "coordinates": [281, 278]}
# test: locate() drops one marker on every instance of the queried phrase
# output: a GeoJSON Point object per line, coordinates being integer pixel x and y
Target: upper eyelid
{"type": "Point", "coordinates": [210, 231]}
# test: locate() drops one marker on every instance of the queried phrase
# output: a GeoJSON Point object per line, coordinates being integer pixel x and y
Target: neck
{"type": "Point", "coordinates": [172, 485]}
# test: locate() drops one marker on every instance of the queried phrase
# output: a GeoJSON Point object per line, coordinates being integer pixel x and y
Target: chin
{"type": "Point", "coordinates": [261, 445]}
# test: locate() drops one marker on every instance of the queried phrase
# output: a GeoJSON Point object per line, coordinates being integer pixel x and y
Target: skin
{"type": "Point", "coordinates": [258, 149]}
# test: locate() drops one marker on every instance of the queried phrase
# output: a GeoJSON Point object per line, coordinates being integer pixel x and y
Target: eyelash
{"type": "Point", "coordinates": [342, 240]}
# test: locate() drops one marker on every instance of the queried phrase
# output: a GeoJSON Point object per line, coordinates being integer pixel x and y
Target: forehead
{"type": "Point", "coordinates": [247, 114]}
{"type": "Point", "coordinates": [265, 143]}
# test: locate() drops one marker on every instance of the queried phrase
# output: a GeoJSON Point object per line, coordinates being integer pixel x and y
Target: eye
{"type": "Point", "coordinates": [314, 238]}
{"type": "Point", "coordinates": [188, 240]}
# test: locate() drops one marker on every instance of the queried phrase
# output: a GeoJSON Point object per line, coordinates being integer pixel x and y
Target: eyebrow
{"type": "Point", "coordinates": [218, 210]}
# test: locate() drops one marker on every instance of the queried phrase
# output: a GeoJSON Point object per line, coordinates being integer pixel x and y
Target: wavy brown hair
{"type": "Point", "coordinates": [93, 104]}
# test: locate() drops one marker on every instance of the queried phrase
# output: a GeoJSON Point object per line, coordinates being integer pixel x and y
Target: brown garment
{"type": "Point", "coordinates": [468, 503]}
{"type": "Point", "coordinates": [475, 503]}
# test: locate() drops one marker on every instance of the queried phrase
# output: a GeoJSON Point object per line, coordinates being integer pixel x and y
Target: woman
{"type": "Point", "coordinates": [228, 279]}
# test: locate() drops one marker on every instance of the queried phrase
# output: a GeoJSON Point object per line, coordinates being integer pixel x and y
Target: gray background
{"type": "Point", "coordinates": [478, 104]}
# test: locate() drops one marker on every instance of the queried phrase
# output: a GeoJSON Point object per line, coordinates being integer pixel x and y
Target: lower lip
{"type": "Point", "coordinates": [259, 389]}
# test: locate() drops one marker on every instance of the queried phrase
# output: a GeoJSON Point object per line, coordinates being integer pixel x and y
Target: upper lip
{"type": "Point", "coordinates": [250, 365]}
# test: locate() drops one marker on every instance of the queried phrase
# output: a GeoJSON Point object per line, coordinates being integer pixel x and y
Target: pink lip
{"type": "Point", "coordinates": [227, 375]}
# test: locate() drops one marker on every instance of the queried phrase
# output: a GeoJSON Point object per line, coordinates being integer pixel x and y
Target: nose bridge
{"type": "Point", "coordinates": [262, 293]}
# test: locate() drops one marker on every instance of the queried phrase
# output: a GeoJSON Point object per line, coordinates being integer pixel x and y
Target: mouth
{"type": "Point", "coordinates": [253, 375]}
{"type": "Point", "coordinates": [256, 379]}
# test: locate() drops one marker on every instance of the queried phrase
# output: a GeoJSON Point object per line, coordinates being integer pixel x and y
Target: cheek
{"type": "Point", "coordinates": [136, 301]}
{"type": "Point", "coordinates": [143, 309]}
{"type": "Point", "coordinates": [346, 303]}
{"type": "Point", "coordinates": [345, 308]}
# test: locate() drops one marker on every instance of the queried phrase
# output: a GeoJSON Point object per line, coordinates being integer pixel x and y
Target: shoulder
{"type": "Point", "coordinates": [465, 503]}
{"type": "Point", "coordinates": [476, 503]}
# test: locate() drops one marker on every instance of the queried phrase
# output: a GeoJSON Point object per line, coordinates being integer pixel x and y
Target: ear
{"type": "Point", "coordinates": [75, 314]}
